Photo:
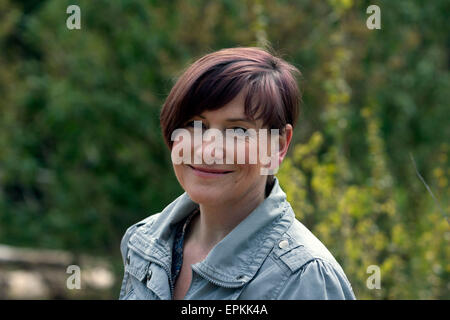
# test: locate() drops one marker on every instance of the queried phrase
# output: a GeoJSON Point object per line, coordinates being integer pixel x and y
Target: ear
{"type": "Point", "coordinates": [283, 146]}
{"type": "Point", "coordinates": [285, 140]}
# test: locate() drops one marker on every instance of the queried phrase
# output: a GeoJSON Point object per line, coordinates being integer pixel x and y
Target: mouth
{"type": "Point", "coordinates": [209, 172]}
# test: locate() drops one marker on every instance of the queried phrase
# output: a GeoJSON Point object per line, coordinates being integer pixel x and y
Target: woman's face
{"type": "Point", "coordinates": [234, 179]}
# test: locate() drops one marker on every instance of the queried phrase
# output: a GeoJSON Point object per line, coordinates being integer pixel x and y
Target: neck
{"type": "Point", "coordinates": [216, 220]}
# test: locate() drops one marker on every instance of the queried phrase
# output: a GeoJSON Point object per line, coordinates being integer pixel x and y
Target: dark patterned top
{"type": "Point", "coordinates": [177, 251]}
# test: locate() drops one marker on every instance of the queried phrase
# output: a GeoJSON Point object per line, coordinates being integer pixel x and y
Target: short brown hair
{"type": "Point", "coordinates": [217, 78]}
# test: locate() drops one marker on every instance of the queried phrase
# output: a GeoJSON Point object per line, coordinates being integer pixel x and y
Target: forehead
{"type": "Point", "coordinates": [233, 109]}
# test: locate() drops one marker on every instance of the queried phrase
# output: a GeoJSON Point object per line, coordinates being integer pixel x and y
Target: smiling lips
{"type": "Point", "coordinates": [208, 172]}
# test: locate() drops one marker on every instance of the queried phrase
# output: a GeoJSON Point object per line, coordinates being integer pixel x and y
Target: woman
{"type": "Point", "coordinates": [232, 234]}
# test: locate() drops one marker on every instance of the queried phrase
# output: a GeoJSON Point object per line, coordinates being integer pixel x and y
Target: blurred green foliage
{"type": "Point", "coordinates": [82, 156]}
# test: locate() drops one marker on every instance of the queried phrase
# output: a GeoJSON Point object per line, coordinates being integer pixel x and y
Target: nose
{"type": "Point", "coordinates": [209, 150]}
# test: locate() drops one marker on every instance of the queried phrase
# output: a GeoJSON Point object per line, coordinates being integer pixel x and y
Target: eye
{"type": "Point", "coordinates": [239, 130]}
{"type": "Point", "coordinates": [191, 124]}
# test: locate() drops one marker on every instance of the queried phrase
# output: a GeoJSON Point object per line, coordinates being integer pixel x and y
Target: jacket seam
{"type": "Point", "coordinates": [315, 259]}
{"type": "Point", "coordinates": [123, 288]}
{"type": "Point", "coordinates": [128, 294]}
{"type": "Point", "coordinates": [126, 246]}
{"type": "Point", "coordinates": [301, 269]}
{"type": "Point", "coordinates": [282, 284]}
{"type": "Point", "coordinates": [256, 249]}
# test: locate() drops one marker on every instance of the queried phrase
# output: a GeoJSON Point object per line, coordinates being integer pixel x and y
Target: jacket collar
{"type": "Point", "coordinates": [237, 257]}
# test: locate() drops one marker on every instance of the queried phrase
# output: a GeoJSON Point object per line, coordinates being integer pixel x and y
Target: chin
{"type": "Point", "coordinates": [210, 195]}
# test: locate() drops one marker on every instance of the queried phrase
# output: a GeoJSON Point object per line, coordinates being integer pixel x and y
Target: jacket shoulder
{"type": "Point", "coordinates": [302, 246]}
{"type": "Point", "coordinates": [311, 264]}
{"type": "Point", "coordinates": [144, 223]}
{"type": "Point", "coordinates": [317, 280]}
{"type": "Point", "coordinates": [299, 267]}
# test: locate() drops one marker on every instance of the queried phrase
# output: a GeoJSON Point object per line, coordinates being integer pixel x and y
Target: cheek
{"type": "Point", "coordinates": [178, 169]}
{"type": "Point", "coordinates": [244, 152]}
{"type": "Point", "coordinates": [248, 173]}
{"type": "Point", "coordinates": [182, 151]}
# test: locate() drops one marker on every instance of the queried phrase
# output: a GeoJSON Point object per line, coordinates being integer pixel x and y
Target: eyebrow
{"type": "Point", "coordinates": [234, 119]}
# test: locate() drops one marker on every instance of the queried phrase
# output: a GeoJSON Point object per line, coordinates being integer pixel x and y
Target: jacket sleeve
{"type": "Point", "coordinates": [129, 233]}
{"type": "Point", "coordinates": [317, 280]}
{"type": "Point", "coordinates": [124, 242]}
{"type": "Point", "coordinates": [124, 250]}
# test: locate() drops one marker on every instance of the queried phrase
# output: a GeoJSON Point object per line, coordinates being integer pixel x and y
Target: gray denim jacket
{"type": "Point", "coordinates": [269, 255]}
